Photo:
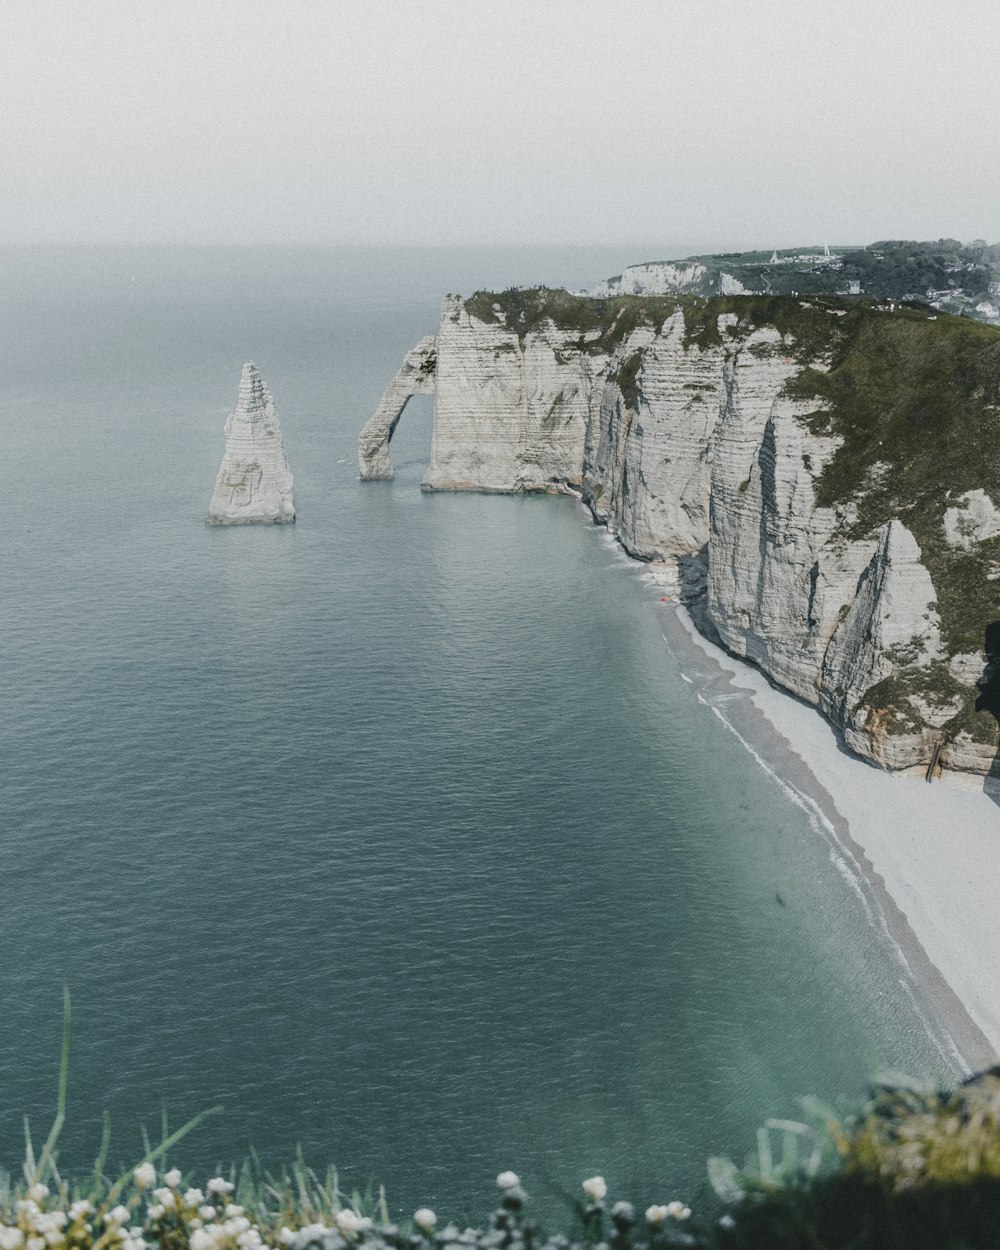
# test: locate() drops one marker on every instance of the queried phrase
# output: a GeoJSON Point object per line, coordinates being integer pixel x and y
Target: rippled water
{"type": "Point", "coordinates": [396, 832]}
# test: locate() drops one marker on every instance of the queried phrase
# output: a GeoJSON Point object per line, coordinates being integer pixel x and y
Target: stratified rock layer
{"type": "Point", "coordinates": [510, 412]}
{"type": "Point", "coordinates": [254, 485]}
{"type": "Point", "coordinates": [698, 432]}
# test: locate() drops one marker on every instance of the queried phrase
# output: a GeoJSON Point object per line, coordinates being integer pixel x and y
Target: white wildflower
{"type": "Point", "coordinates": [50, 1221]}
{"type": "Point", "coordinates": [36, 1243]}
{"type": "Point", "coordinates": [80, 1210]}
{"type": "Point", "coordinates": [219, 1185]}
{"type": "Point", "coordinates": [286, 1236]}
{"type": "Point", "coordinates": [508, 1180]}
{"type": "Point", "coordinates": [678, 1211]}
{"type": "Point", "coordinates": [349, 1222]}
{"type": "Point", "coordinates": [145, 1175]}
{"type": "Point", "coordinates": [232, 1210]}
{"type": "Point", "coordinates": [656, 1214]}
{"type": "Point", "coordinates": [193, 1197]}
{"type": "Point", "coordinates": [173, 1178]}
{"type": "Point", "coordinates": [38, 1192]}
{"type": "Point", "coordinates": [425, 1219]}
{"type": "Point", "coordinates": [118, 1215]}
{"type": "Point", "coordinates": [207, 1212]}
{"type": "Point", "coordinates": [25, 1213]}
{"type": "Point", "coordinates": [11, 1238]}
{"type": "Point", "coordinates": [595, 1188]}
{"type": "Point", "coordinates": [200, 1240]}
{"type": "Point", "coordinates": [28, 1211]}
{"type": "Point", "coordinates": [156, 1211]}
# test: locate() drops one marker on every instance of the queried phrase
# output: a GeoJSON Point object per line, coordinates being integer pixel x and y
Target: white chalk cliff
{"type": "Point", "coordinates": [654, 277]}
{"type": "Point", "coordinates": [254, 484]}
{"type": "Point", "coordinates": [691, 444]}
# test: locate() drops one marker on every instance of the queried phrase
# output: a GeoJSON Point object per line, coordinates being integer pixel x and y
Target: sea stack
{"type": "Point", "coordinates": [254, 486]}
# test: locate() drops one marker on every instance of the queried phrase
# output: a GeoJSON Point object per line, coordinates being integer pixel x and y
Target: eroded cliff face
{"type": "Point", "coordinates": [254, 483]}
{"type": "Point", "coordinates": [510, 411]}
{"type": "Point", "coordinates": [822, 536]}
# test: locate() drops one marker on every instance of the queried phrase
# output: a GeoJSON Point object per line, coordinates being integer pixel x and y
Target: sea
{"type": "Point", "coordinates": [401, 833]}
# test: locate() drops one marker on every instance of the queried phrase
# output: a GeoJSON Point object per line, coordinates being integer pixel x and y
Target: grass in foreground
{"type": "Point", "coordinates": [913, 1170]}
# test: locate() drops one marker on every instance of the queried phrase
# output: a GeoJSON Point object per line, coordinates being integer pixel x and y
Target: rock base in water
{"type": "Point", "coordinates": [254, 485]}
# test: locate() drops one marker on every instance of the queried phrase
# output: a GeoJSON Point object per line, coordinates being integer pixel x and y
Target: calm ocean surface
{"type": "Point", "coordinates": [398, 831]}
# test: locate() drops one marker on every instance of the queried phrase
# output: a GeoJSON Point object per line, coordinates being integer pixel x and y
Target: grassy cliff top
{"type": "Point", "coordinates": [603, 323]}
{"type": "Point", "coordinates": [600, 324]}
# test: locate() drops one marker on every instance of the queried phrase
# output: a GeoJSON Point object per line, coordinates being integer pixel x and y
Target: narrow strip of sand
{"type": "Point", "coordinates": [930, 853]}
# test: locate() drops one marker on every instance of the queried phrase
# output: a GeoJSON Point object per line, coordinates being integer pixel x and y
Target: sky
{"type": "Point", "coordinates": [469, 122]}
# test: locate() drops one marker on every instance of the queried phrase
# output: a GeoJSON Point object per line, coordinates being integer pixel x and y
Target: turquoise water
{"type": "Point", "coordinates": [397, 832]}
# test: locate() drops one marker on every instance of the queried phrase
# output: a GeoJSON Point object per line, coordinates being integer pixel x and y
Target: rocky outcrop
{"type": "Point", "coordinates": [890, 630]}
{"type": "Point", "coordinates": [254, 484]}
{"type": "Point", "coordinates": [708, 433]}
{"type": "Point", "coordinates": [972, 520]}
{"type": "Point", "coordinates": [415, 376]}
{"type": "Point", "coordinates": [647, 462]}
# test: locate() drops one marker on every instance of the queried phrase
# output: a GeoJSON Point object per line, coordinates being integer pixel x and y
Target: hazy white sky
{"type": "Point", "coordinates": [498, 121]}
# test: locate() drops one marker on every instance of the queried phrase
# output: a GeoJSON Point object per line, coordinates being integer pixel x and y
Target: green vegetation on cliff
{"type": "Point", "coordinates": [601, 325]}
{"type": "Point", "coordinates": [914, 403]}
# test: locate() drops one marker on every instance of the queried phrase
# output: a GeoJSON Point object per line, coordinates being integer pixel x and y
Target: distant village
{"type": "Point", "coordinates": [943, 275]}
{"type": "Point", "coordinates": [955, 298]}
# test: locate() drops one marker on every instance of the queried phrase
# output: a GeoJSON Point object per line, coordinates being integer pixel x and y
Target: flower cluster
{"type": "Point", "coordinates": [156, 1212]}
{"type": "Point", "coordinates": [38, 1224]}
{"type": "Point", "coordinates": [204, 1222]}
{"type": "Point", "coordinates": [663, 1221]}
{"type": "Point", "coordinates": [671, 1211]}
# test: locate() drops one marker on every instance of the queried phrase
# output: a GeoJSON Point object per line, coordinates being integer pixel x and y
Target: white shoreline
{"type": "Point", "coordinates": [930, 853]}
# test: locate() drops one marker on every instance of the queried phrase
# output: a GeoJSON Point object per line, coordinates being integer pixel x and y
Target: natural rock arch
{"type": "Point", "coordinates": [416, 376]}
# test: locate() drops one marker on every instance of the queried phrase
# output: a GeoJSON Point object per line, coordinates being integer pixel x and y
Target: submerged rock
{"type": "Point", "coordinates": [254, 486]}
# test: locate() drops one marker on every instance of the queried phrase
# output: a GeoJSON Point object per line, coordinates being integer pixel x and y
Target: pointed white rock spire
{"type": "Point", "coordinates": [254, 486]}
